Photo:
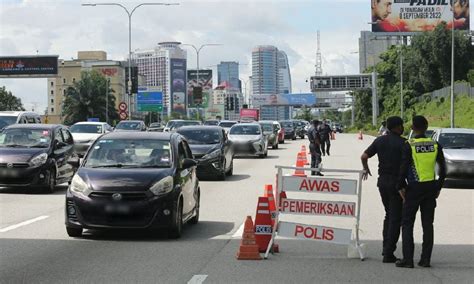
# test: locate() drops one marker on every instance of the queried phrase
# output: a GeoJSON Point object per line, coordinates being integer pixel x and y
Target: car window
{"type": "Point", "coordinates": [187, 150]}
{"type": "Point", "coordinates": [31, 119]}
{"type": "Point", "coordinates": [201, 136]}
{"type": "Point", "coordinates": [86, 128]}
{"type": "Point", "coordinates": [457, 140]}
{"type": "Point", "coordinates": [58, 135]}
{"type": "Point", "coordinates": [25, 138]}
{"type": "Point", "coordinates": [67, 136]}
{"type": "Point", "coordinates": [181, 154]}
{"type": "Point", "coordinates": [245, 130]}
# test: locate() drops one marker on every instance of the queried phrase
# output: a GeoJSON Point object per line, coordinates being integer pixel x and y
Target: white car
{"type": "Point", "coordinates": [227, 124]}
{"type": "Point", "coordinates": [85, 133]}
{"type": "Point", "coordinates": [458, 150]}
{"type": "Point", "coordinates": [248, 139]}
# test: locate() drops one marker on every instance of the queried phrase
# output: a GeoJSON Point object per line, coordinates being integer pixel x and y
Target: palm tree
{"type": "Point", "coordinates": [87, 99]}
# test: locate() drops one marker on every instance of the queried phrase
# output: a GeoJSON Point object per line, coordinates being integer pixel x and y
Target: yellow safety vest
{"type": "Point", "coordinates": [424, 152]}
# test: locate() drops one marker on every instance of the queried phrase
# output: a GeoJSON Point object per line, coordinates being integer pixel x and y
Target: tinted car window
{"type": "Point", "coordinates": [58, 135]}
{"type": "Point", "coordinates": [27, 138]}
{"type": "Point", "coordinates": [67, 136]}
{"type": "Point", "coordinates": [201, 136]}
{"type": "Point", "coordinates": [86, 128]}
{"type": "Point", "coordinates": [129, 125]}
{"type": "Point", "coordinates": [227, 124]}
{"type": "Point", "coordinates": [245, 130]}
{"type": "Point", "coordinates": [7, 120]}
{"type": "Point", "coordinates": [456, 140]}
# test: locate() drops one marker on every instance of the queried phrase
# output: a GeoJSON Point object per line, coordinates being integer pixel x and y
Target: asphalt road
{"type": "Point", "coordinates": [34, 246]}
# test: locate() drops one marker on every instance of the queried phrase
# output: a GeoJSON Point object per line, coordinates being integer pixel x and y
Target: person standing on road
{"type": "Point", "coordinates": [388, 149]}
{"type": "Point", "coordinates": [419, 158]}
{"type": "Point", "coordinates": [383, 129]}
{"type": "Point", "coordinates": [325, 132]}
{"type": "Point", "coordinates": [314, 146]}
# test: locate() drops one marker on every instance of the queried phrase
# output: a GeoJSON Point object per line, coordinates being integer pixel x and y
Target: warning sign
{"type": "Point", "coordinates": [316, 207]}
{"type": "Point", "coordinates": [319, 185]}
{"type": "Point", "coordinates": [315, 233]}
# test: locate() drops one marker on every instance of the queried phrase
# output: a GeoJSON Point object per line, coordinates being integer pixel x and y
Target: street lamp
{"type": "Point", "coordinates": [197, 55]}
{"type": "Point", "coordinates": [452, 68]}
{"type": "Point", "coordinates": [129, 14]}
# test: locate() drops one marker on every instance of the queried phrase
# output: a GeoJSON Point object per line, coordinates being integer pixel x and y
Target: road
{"type": "Point", "coordinates": [36, 249]}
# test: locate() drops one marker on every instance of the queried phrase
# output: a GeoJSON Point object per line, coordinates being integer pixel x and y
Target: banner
{"type": "Point", "coordinates": [205, 81]}
{"type": "Point", "coordinates": [286, 99]}
{"type": "Point", "coordinates": [315, 233]}
{"type": "Point", "coordinates": [178, 86]}
{"type": "Point", "coordinates": [319, 185]}
{"type": "Point", "coordinates": [28, 66]}
{"type": "Point", "coordinates": [418, 15]}
{"type": "Point", "coordinates": [318, 207]}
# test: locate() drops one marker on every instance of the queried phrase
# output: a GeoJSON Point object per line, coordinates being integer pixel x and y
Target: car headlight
{"type": "Point", "coordinates": [39, 160]}
{"type": "Point", "coordinates": [163, 186]}
{"type": "Point", "coordinates": [78, 185]}
{"type": "Point", "coordinates": [212, 155]}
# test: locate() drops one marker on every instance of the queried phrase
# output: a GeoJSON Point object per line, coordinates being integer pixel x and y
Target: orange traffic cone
{"type": "Point", "coordinates": [271, 204]}
{"type": "Point", "coordinates": [361, 137]}
{"type": "Point", "coordinates": [248, 249]}
{"type": "Point", "coordinates": [300, 163]}
{"type": "Point", "coordinates": [305, 158]}
{"type": "Point", "coordinates": [263, 224]}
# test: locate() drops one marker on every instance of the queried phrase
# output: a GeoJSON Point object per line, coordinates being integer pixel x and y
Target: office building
{"type": "Point", "coordinates": [165, 67]}
{"type": "Point", "coordinates": [228, 71]}
{"type": "Point", "coordinates": [284, 76]}
{"type": "Point", "coordinates": [370, 48]}
{"type": "Point", "coordinates": [265, 70]}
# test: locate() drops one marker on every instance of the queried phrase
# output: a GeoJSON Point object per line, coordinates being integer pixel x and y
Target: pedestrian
{"type": "Point", "coordinates": [314, 147]}
{"type": "Point", "coordinates": [325, 132]}
{"type": "Point", "coordinates": [383, 129]}
{"type": "Point", "coordinates": [388, 149]}
{"type": "Point", "coordinates": [419, 188]}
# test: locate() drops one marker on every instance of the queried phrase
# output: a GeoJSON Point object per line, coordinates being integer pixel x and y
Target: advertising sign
{"type": "Point", "coordinates": [317, 207]}
{"type": "Point", "coordinates": [319, 185]}
{"type": "Point", "coordinates": [315, 233]}
{"type": "Point", "coordinates": [178, 86]}
{"type": "Point", "coordinates": [418, 15]}
{"type": "Point", "coordinates": [28, 66]}
{"type": "Point", "coordinates": [205, 81]}
{"type": "Point", "coordinates": [150, 99]}
{"type": "Point", "coordinates": [286, 99]}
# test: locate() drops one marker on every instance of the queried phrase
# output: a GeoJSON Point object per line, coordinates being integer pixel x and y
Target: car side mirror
{"type": "Point", "coordinates": [189, 163]}
{"type": "Point", "coordinates": [74, 162]}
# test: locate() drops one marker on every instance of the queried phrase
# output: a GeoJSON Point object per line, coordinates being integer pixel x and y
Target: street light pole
{"type": "Point", "coordinates": [129, 14]}
{"type": "Point", "coordinates": [452, 69]}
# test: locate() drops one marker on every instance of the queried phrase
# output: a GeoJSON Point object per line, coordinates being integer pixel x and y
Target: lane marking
{"type": "Point", "coordinates": [238, 233]}
{"type": "Point", "coordinates": [27, 222]}
{"type": "Point", "coordinates": [197, 279]}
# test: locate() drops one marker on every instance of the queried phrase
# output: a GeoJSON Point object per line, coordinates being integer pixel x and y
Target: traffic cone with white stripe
{"type": "Point", "coordinates": [273, 213]}
{"type": "Point", "coordinates": [248, 249]}
{"type": "Point", "coordinates": [263, 224]}
{"type": "Point", "coordinates": [303, 155]}
{"type": "Point", "coordinates": [300, 163]}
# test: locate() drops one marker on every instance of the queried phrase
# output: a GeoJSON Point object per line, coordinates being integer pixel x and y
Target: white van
{"type": "Point", "coordinates": [21, 117]}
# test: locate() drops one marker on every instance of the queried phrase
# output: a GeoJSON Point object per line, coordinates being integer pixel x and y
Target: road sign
{"type": "Point", "coordinates": [318, 207]}
{"type": "Point", "coordinates": [319, 185]}
{"type": "Point", "coordinates": [123, 106]}
{"type": "Point", "coordinates": [123, 115]}
{"type": "Point", "coordinates": [149, 99]}
{"type": "Point", "coordinates": [315, 233]}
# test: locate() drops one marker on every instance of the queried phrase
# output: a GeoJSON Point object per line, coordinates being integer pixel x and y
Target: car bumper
{"type": "Point", "coordinates": [207, 168]}
{"type": "Point", "coordinates": [289, 135]}
{"type": "Point", "coordinates": [459, 169]}
{"type": "Point", "coordinates": [249, 148]}
{"type": "Point", "coordinates": [23, 177]}
{"type": "Point", "coordinates": [137, 210]}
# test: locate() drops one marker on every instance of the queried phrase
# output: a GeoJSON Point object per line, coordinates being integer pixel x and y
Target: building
{"type": "Point", "coordinates": [69, 71]}
{"type": "Point", "coordinates": [265, 70]}
{"type": "Point", "coordinates": [165, 67]}
{"type": "Point", "coordinates": [370, 48]}
{"type": "Point", "coordinates": [275, 112]}
{"type": "Point", "coordinates": [228, 71]}
{"type": "Point", "coordinates": [284, 76]}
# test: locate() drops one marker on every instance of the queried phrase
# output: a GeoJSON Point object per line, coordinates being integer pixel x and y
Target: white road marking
{"type": "Point", "coordinates": [13, 227]}
{"type": "Point", "coordinates": [197, 279]}
{"type": "Point", "coordinates": [238, 233]}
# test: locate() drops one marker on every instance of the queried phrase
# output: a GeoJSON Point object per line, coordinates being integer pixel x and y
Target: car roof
{"type": "Point", "coordinates": [268, 121]}
{"type": "Point", "coordinates": [89, 122]}
{"type": "Point", "coordinates": [33, 126]}
{"type": "Point", "coordinates": [455, 130]}
{"type": "Point", "coordinates": [16, 113]}
{"type": "Point", "coordinates": [134, 121]}
{"type": "Point", "coordinates": [247, 124]}
{"type": "Point", "coordinates": [229, 121]}
{"type": "Point", "coordinates": [139, 135]}
{"type": "Point", "coordinates": [199, 127]}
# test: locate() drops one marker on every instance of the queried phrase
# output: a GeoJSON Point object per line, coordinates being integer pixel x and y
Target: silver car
{"type": "Point", "coordinates": [458, 150]}
{"type": "Point", "coordinates": [248, 139]}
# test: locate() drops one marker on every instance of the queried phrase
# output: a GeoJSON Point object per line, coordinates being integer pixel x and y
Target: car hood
{"type": "Point", "coordinates": [198, 149]}
{"type": "Point", "coordinates": [459, 154]}
{"type": "Point", "coordinates": [19, 155]}
{"type": "Point", "coordinates": [122, 179]}
{"type": "Point", "coordinates": [127, 130]}
{"type": "Point", "coordinates": [79, 137]}
{"type": "Point", "coordinates": [243, 138]}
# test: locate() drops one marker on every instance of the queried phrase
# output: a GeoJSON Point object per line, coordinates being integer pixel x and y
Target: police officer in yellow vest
{"type": "Point", "coordinates": [419, 158]}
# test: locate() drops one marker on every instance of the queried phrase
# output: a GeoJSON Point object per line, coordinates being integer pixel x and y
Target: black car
{"type": "Point", "coordinates": [142, 180]}
{"type": "Point", "coordinates": [213, 122]}
{"type": "Point", "coordinates": [299, 126]}
{"type": "Point", "coordinates": [212, 150]}
{"type": "Point", "coordinates": [290, 129]}
{"type": "Point", "coordinates": [131, 125]}
{"type": "Point", "coordinates": [36, 156]}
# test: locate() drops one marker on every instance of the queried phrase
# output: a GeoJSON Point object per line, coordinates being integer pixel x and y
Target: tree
{"type": "Point", "coordinates": [87, 99]}
{"type": "Point", "coordinates": [9, 102]}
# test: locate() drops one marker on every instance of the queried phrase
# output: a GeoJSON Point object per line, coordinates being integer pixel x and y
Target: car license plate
{"type": "Point", "coordinates": [117, 209]}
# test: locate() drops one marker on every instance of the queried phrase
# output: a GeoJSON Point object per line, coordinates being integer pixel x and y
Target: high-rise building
{"type": "Point", "coordinates": [228, 71]}
{"type": "Point", "coordinates": [370, 48]}
{"type": "Point", "coordinates": [165, 67]}
{"type": "Point", "coordinates": [284, 79]}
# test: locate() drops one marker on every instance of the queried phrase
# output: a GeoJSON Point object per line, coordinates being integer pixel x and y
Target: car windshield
{"type": "Point", "coordinates": [267, 127]}
{"type": "Point", "coordinates": [227, 124]}
{"type": "Point", "coordinates": [86, 128]}
{"type": "Point", "coordinates": [211, 122]}
{"type": "Point", "coordinates": [287, 124]}
{"type": "Point", "coordinates": [25, 138]}
{"type": "Point", "coordinates": [155, 124]}
{"type": "Point", "coordinates": [128, 126]}
{"type": "Point", "coordinates": [129, 153]}
{"type": "Point", "coordinates": [178, 124]}
{"type": "Point", "coordinates": [7, 120]}
{"type": "Point", "coordinates": [457, 140]}
{"type": "Point", "coordinates": [201, 136]}
{"type": "Point", "coordinates": [245, 130]}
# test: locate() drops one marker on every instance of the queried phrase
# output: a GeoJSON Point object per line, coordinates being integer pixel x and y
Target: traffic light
{"type": "Point", "coordinates": [245, 106]}
{"type": "Point", "coordinates": [197, 95]}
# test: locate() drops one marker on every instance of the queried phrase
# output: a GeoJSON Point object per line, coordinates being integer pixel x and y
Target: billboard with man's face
{"type": "Point", "coordinates": [418, 15]}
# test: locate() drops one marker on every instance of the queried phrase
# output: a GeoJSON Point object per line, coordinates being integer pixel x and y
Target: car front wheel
{"type": "Point", "coordinates": [176, 228]}
{"type": "Point", "coordinates": [195, 219]}
{"type": "Point", "coordinates": [50, 181]}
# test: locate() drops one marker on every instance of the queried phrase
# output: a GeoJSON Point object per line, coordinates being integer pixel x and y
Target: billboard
{"type": "Point", "coordinates": [205, 81]}
{"type": "Point", "coordinates": [150, 99]}
{"type": "Point", "coordinates": [178, 86]}
{"type": "Point", "coordinates": [286, 99]}
{"type": "Point", "coordinates": [28, 66]}
{"type": "Point", "coordinates": [418, 15]}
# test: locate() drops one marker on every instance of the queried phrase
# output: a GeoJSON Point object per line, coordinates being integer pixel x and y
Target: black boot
{"type": "Point", "coordinates": [319, 174]}
{"type": "Point", "coordinates": [404, 263]}
{"type": "Point", "coordinates": [390, 259]}
{"type": "Point", "coordinates": [424, 263]}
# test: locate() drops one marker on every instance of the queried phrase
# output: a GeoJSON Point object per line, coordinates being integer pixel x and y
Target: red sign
{"type": "Point", "coordinates": [123, 115]}
{"type": "Point", "coordinates": [316, 207]}
{"type": "Point", "coordinates": [109, 71]}
{"type": "Point", "coordinates": [123, 106]}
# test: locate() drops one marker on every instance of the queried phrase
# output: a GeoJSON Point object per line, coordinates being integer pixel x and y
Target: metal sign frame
{"type": "Point", "coordinates": [279, 189]}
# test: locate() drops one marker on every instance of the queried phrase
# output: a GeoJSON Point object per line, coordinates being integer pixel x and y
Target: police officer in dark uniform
{"type": "Point", "coordinates": [419, 158]}
{"type": "Point", "coordinates": [388, 149]}
{"type": "Point", "coordinates": [314, 146]}
{"type": "Point", "coordinates": [325, 132]}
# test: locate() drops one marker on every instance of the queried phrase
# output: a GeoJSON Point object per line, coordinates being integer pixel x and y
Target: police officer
{"type": "Point", "coordinates": [314, 146]}
{"type": "Point", "coordinates": [419, 158]}
{"type": "Point", "coordinates": [388, 149]}
{"type": "Point", "coordinates": [325, 132]}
